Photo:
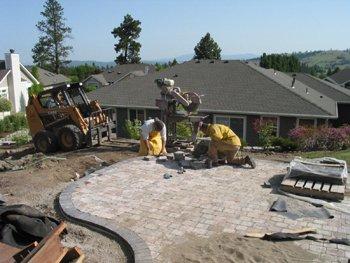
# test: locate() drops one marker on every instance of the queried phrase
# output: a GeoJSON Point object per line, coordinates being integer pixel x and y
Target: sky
{"type": "Point", "coordinates": [172, 28]}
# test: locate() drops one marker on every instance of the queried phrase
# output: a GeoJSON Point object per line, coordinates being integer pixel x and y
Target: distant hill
{"type": "Point", "coordinates": [179, 59]}
{"type": "Point", "coordinates": [187, 57]}
{"type": "Point", "coordinates": [326, 59]}
{"type": "Point", "coordinates": [75, 63]}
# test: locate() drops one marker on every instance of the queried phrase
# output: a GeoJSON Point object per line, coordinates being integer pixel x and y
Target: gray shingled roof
{"type": "Point", "coordinates": [228, 87]}
{"type": "Point", "coordinates": [341, 76]}
{"type": "Point", "coordinates": [333, 91]}
{"type": "Point", "coordinates": [47, 78]}
{"type": "Point", "coordinates": [114, 74]}
{"type": "Point", "coordinates": [3, 73]}
{"type": "Point", "coordinates": [99, 77]}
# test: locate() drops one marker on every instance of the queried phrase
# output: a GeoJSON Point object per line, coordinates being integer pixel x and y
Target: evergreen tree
{"type": "Point", "coordinates": [281, 62]}
{"type": "Point", "coordinates": [50, 49]}
{"type": "Point", "coordinates": [127, 32]}
{"type": "Point", "coordinates": [174, 62]}
{"type": "Point", "coordinates": [207, 48]}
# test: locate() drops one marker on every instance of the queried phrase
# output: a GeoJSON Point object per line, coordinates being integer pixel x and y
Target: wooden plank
{"type": "Point", "coordinates": [7, 253]}
{"type": "Point", "coordinates": [338, 189]}
{"type": "Point", "coordinates": [25, 251]}
{"type": "Point", "coordinates": [300, 183]}
{"type": "Point", "coordinates": [289, 182]}
{"type": "Point", "coordinates": [308, 184]}
{"type": "Point", "coordinates": [317, 186]}
{"type": "Point", "coordinates": [74, 255]}
{"type": "Point", "coordinates": [50, 252]}
{"type": "Point", "coordinates": [54, 233]}
{"type": "Point", "coordinates": [63, 254]}
{"type": "Point", "coordinates": [326, 187]}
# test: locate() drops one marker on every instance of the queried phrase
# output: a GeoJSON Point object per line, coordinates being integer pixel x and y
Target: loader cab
{"type": "Point", "coordinates": [70, 95]}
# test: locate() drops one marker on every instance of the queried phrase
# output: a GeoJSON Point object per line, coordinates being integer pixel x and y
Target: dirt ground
{"type": "Point", "coordinates": [39, 185]}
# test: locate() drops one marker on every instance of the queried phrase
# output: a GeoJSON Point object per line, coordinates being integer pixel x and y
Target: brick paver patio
{"type": "Point", "coordinates": [161, 211]}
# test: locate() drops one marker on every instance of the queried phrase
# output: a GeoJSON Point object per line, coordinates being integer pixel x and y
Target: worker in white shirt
{"type": "Point", "coordinates": [153, 138]}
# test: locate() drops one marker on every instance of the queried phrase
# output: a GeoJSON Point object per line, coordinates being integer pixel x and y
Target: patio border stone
{"type": "Point", "coordinates": [137, 249]}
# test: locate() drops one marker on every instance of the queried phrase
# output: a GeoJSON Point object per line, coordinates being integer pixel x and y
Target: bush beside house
{"type": "Point", "coordinates": [12, 123]}
{"type": "Point", "coordinates": [321, 138]}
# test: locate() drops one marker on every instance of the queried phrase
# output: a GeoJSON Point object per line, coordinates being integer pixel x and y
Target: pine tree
{"type": "Point", "coordinates": [207, 48]}
{"type": "Point", "coordinates": [127, 32]}
{"type": "Point", "coordinates": [50, 49]}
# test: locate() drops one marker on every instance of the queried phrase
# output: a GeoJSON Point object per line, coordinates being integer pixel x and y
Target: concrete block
{"type": "Point", "coordinates": [196, 165]}
{"type": "Point", "coordinates": [161, 159]}
{"type": "Point", "coordinates": [179, 155]}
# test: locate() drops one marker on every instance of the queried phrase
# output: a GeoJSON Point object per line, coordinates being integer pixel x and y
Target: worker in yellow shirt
{"type": "Point", "coordinates": [225, 141]}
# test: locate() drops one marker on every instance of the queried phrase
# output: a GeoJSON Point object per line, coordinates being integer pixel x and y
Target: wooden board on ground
{"type": "Point", "coordinates": [7, 252]}
{"type": "Point", "coordinates": [313, 189]}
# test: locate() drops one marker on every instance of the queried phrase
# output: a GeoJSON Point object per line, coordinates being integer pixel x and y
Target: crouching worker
{"type": "Point", "coordinates": [224, 141]}
{"type": "Point", "coordinates": [153, 138]}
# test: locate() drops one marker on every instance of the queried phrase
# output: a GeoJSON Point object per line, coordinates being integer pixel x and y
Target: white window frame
{"type": "Point", "coordinates": [235, 117]}
{"type": "Point", "coordinates": [315, 121]}
{"type": "Point", "coordinates": [144, 113]}
{"type": "Point", "coordinates": [278, 122]}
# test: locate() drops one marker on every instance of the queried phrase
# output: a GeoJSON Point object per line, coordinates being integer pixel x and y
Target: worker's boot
{"type": "Point", "coordinates": [250, 161]}
{"type": "Point", "coordinates": [210, 163]}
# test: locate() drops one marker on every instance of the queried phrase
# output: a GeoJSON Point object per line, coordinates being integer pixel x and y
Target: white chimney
{"type": "Point", "coordinates": [14, 85]}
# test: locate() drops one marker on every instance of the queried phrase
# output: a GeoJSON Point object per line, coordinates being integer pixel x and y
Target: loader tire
{"type": "Point", "coordinates": [70, 137]}
{"type": "Point", "coordinates": [45, 142]}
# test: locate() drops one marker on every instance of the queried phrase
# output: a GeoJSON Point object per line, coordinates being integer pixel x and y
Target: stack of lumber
{"type": "Point", "coordinates": [49, 250]}
{"type": "Point", "coordinates": [316, 179]}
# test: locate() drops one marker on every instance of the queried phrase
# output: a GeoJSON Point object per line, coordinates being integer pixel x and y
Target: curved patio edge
{"type": "Point", "coordinates": [136, 247]}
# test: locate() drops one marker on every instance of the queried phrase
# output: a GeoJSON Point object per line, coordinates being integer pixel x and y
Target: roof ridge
{"type": "Point", "coordinates": [323, 105]}
{"type": "Point", "coordinates": [332, 85]}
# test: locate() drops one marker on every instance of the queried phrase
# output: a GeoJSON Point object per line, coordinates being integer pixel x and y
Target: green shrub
{"type": "Point", "coordinates": [5, 105]}
{"type": "Point", "coordinates": [132, 129]}
{"type": "Point", "coordinates": [90, 87]}
{"type": "Point", "coordinates": [285, 144]}
{"type": "Point", "coordinates": [35, 89]}
{"type": "Point", "coordinates": [6, 124]}
{"type": "Point", "coordinates": [13, 122]}
{"type": "Point", "coordinates": [266, 132]}
{"type": "Point", "coordinates": [183, 130]}
{"type": "Point", "coordinates": [21, 138]}
{"type": "Point", "coordinates": [243, 143]}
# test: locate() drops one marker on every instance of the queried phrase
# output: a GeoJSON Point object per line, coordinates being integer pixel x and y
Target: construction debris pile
{"type": "Point", "coordinates": [12, 162]}
{"type": "Point", "coordinates": [27, 235]}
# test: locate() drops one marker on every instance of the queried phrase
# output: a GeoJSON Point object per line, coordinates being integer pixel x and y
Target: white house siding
{"type": "Point", "coordinates": [4, 94]}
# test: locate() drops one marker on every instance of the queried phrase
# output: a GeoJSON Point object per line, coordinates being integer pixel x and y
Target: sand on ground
{"type": "Point", "coordinates": [226, 247]}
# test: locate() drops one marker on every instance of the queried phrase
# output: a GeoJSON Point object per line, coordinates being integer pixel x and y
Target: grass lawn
{"type": "Point", "coordinates": [343, 155]}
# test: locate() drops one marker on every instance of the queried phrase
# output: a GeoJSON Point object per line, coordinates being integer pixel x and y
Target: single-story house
{"type": "Point", "coordinates": [341, 78]}
{"type": "Point", "coordinates": [50, 80]}
{"type": "Point", "coordinates": [15, 80]}
{"type": "Point", "coordinates": [235, 93]}
{"type": "Point", "coordinates": [118, 73]}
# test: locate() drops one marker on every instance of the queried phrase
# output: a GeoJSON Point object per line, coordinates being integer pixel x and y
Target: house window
{"type": "Point", "coordinates": [236, 123]}
{"type": "Point", "coordinates": [274, 121]}
{"type": "Point", "coordinates": [3, 93]}
{"type": "Point", "coordinates": [306, 123]}
{"type": "Point", "coordinates": [137, 114]}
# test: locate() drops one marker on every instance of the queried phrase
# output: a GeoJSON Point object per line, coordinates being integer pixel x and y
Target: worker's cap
{"type": "Point", "coordinates": [165, 82]}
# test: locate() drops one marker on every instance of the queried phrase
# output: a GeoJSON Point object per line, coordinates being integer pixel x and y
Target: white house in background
{"type": "Point", "coordinates": [15, 80]}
